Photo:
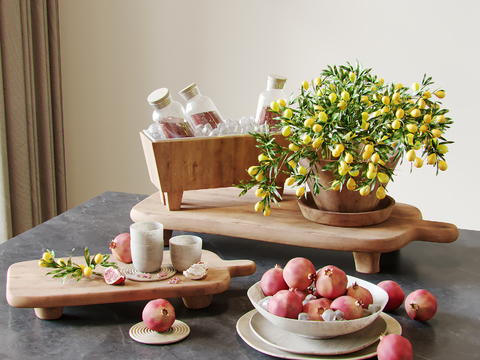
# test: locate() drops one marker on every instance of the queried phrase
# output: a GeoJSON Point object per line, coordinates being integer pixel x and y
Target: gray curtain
{"type": "Point", "coordinates": [32, 171]}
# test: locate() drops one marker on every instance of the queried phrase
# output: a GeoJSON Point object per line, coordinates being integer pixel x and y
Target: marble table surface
{"type": "Point", "coordinates": [449, 271]}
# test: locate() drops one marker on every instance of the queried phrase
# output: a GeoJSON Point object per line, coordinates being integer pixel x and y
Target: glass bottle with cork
{"type": "Point", "coordinates": [169, 115]}
{"type": "Point", "coordinates": [199, 108]}
{"type": "Point", "coordinates": [274, 92]}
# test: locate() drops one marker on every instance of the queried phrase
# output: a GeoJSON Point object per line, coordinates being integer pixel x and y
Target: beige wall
{"type": "Point", "coordinates": [115, 52]}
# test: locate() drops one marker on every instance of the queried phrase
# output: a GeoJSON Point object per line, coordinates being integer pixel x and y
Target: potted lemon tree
{"type": "Point", "coordinates": [346, 130]}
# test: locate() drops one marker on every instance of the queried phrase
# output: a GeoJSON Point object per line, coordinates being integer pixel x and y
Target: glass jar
{"type": "Point", "coordinates": [273, 92]}
{"type": "Point", "coordinates": [199, 108]}
{"type": "Point", "coordinates": [169, 115]}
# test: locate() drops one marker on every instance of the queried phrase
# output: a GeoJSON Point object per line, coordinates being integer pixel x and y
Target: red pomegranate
{"type": "Point", "coordinates": [272, 281]}
{"type": "Point", "coordinates": [120, 247]}
{"type": "Point", "coordinates": [316, 308]}
{"type": "Point", "coordinates": [350, 306]}
{"type": "Point", "coordinates": [394, 347]}
{"type": "Point", "coordinates": [158, 315]}
{"type": "Point", "coordinates": [299, 273]}
{"type": "Point", "coordinates": [395, 294]}
{"type": "Point", "coordinates": [331, 282]}
{"type": "Point", "coordinates": [421, 305]}
{"type": "Point", "coordinates": [302, 294]}
{"type": "Point", "coordinates": [361, 294]}
{"type": "Point", "coordinates": [113, 276]}
{"type": "Point", "coordinates": [285, 303]}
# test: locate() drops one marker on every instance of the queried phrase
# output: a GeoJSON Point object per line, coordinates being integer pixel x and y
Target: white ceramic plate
{"type": "Point", "coordinates": [246, 333]}
{"type": "Point", "coordinates": [141, 333]}
{"type": "Point", "coordinates": [166, 272]}
{"type": "Point", "coordinates": [322, 329]}
{"type": "Point", "coordinates": [288, 341]}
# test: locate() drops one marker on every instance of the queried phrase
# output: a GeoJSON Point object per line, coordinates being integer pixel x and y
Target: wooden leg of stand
{"type": "Point", "coordinates": [368, 263]}
{"type": "Point", "coordinates": [167, 234]}
{"type": "Point", "coordinates": [173, 200]}
{"type": "Point", "coordinates": [197, 302]}
{"type": "Point", "coordinates": [52, 313]}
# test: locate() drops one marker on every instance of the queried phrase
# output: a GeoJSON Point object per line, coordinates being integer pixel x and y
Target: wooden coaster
{"type": "Point", "coordinates": [142, 334]}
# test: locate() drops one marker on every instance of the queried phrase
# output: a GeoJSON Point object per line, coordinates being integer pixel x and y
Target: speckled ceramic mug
{"type": "Point", "coordinates": [185, 250]}
{"type": "Point", "coordinates": [146, 246]}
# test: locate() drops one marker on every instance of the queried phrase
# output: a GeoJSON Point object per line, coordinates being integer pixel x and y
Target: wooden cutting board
{"type": "Point", "coordinates": [28, 287]}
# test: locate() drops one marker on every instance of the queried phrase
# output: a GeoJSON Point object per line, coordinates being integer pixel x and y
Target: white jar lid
{"type": "Point", "coordinates": [159, 98]}
{"type": "Point", "coordinates": [189, 92]}
{"type": "Point", "coordinates": [276, 81]}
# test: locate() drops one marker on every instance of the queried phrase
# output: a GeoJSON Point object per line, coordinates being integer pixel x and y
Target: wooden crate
{"type": "Point", "coordinates": [178, 165]}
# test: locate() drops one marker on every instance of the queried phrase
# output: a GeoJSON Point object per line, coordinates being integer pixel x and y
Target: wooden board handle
{"type": "Point", "coordinates": [240, 267]}
{"type": "Point", "coordinates": [434, 231]}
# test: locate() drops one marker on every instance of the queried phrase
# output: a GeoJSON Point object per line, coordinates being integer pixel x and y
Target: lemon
{"type": "Point", "coordinates": [440, 94]}
{"type": "Point", "coordinates": [374, 88]}
{"type": "Point", "coordinates": [290, 181]}
{"type": "Point", "coordinates": [293, 147]}
{"type": "Point", "coordinates": [422, 104]}
{"type": "Point", "coordinates": [352, 76]}
{"type": "Point", "coordinates": [342, 172]}
{"type": "Point", "coordinates": [318, 107]}
{"type": "Point", "coordinates": [260, 193]}
{"type": "Point", "coordinates": [397, 97]}
{"type": "Point", "coordinates": [42, 263]}
{"type": "Point", "coordinates": [318, 81]}
{"type": "Point", "coordinates": [317, 128]}
{"type": "Point", "coordinates": [418, 163]}
{"type": "Point", "coordinates": [288, 113]}
{"type": "Point", "coordinates": [398, 86]}
{"type": "Point", "coordinates": [98, 258]}
{"type": "Point", "coordinates": [423, 128]}
{"type": "Point", "coordinates": [365, 116]}
{"type": "Point", "coordinates": [351, 184]}
{"type": "Point", "coordinates": [336, 153]}
{"type": "Point", "coordinates": [385, 109]}
{"type": "Point", "coordinates": [300, 191]}
{"type": "Point", "coordinates": [305, 85]}
{"type": "Point", "coordinates": [415, 86]}
{"type": "Point", "coordinates": [375, 158]}
{"type": "Point", "coordinates": [258, 206]}
{"type": "Point", "coordinates": [319, 92]}
{"type": "Point", "coordinates": [381, 162]}
{"type": "Point", "coordinates": [309, 122]}
{"type": "Point", "coordinates": [336, 186]}
{"type": "Point", "coordinates": [62, 263]}
{"type": "Point", "coordinates": [354, 172]}
{"type": "Point", "coordinates": [371, 174]}
{"type": "Point", "coordinates": [442, 165]}
{"type": "Point", "coordinates": [369, 148]}
{"type": "Point", "coordinates": [259, 176]}
{"type": "Point", "coordinates": [376, 97]}
{"type": "Point", "coordinates": [292, 163]}
{"type": "Point", "coordinates": [364, 98]}
{"type": "Point", "coordinates": [412, 128]}
{"type": "Point", "coordinates": [417, 145]}
{"type": "Point", "coordinates": [317, 143]}
{"type": "Point", "coordinates": [381, 81]}
{"type": "Point", "coordinates": [442, 149]}
{"type": "Point", "coordinates": [365, 125]}
{"type": "Point", "coordinates": [252, 170]}
{"type": "Point", "coordinates": [416, 113]}
{"type": "Point", "coordinates": [47, 257]}
{"type": "Point", "coordinates": [432, 159]}
{"type": "Point", "coordinates": [87, 271]}
{"type": "Point", "coordinates": [344, 165]}
{"type": "Point", "coordinates": [274, 106]}
{"type": "Point", "coordinates": [411, 155]}
{"type": "Point", "coordinates": [372, 167]}
{"type": "Point", "coordinates": [427, 95]}
{"type": "Point", "coordinates": [410, 138]}
{"type": "Point", "coordinates": [364, 191]}
{"type": "Point", "coordinates": [427, 119]}
{"type": "Point", "coordinates": [383, 178]}
{"type": "Point", "coordinates": [282, 102]}
{"type": "Point", "coordinates": [81, 266]}
{"type": "Point", "coordinates": [381, 193]}
{"type": "Point", "coordinates": [436, 132]}
{"type": "Point", "coordinates": [323, 116]}
{"type": "Point", "coordinates": [348, 158]}
{"type": "Point", "coordinates": [302, 170]}
{"type": "Point", "coordinates": [263, 157]}
{"type": "Point", "coordinates": [332, 97]}
{"type": "Point", "coordinates": [306, 139]}
{"type": "Point", "coordinates": [332, 87]}
{"type": "Point", "coordinates": [366, 155]}
{"type": "Point", "coordinates": [345, 95]}
{"type": "Point", "coordinates": [440, 119]}
{"type": "Point", "coordinates": [267, 212]}
{"type": "Point", "coordinates": [342, 105]}
{"type": "Point", "coordinates": [386, 100]}
{"type": "Point", "coordinates": [396, 124]}
{"type": "Point", "coordinates": [286, 131]}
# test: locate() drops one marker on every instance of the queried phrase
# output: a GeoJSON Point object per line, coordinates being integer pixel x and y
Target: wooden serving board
{"type": "Point", "coordinates": [222, 212]}
{"type": "Point", "coordinates": [28, 287]}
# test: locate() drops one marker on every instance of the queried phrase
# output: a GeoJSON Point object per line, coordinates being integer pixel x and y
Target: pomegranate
{"type": "Point", "coordinates": [302, 294]}
{"type": "Point", "coordinates": [120, 247]}
{"type": "Point", "coordinates": [316, 308]}
{"type": "Point", "coordinates": [421, 305]}
{"type": "Point", "coordinates": [394, 347]}
{"type": "Point", "coordinates": [331, 282]}
{"type": "Point", "coordinates": [158, 315]}
{"type": "Point", "coordinates": [361, 294]}
{"type": "Point", "coordinates": [395, 294]}
{"type": "Point", "coordinates": [113, 276]}
{"type": "Point", "coordinates": [299, 273]}
{"type": "Point", "coordinates": [272, 281]}
{"type": "Point", "coordinates": [351, 307]}
{"type": "Point", "coordinates": [285, 303]}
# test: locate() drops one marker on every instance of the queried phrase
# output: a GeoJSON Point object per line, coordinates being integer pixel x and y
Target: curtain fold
{"type": "Point", "coordinates": [32, 149]}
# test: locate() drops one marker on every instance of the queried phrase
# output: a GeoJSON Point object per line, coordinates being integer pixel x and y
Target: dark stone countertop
{"type": "Point", "coordinates": [449, 271]}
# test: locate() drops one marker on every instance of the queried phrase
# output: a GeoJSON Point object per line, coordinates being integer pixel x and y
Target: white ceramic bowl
{"type": "Point", "coordinates": [322, 329]}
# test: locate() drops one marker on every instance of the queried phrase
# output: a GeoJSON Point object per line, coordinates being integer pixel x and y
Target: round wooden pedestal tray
{"type": "Point", "coordinates": [311, 212]}
{"type": "Point", "coordinates": [142, 334]}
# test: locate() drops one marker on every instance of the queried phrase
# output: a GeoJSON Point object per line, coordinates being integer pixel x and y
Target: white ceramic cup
{"type": "Point", "coordinates": [146, 243]}
{"type": "Point", "coordinates": [185, 250]}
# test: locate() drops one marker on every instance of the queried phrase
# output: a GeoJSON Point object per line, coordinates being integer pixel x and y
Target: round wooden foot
{"type": "Point", "coordinates": [197, 302]}
{"type": "Point", "coordinates": [52, 313]}
{"type": "Point", "coordinates": [368, 263]}
{"type": "Point", "coordinates": [167, 234]}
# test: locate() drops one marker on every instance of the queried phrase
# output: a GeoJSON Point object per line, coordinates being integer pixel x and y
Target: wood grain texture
{"type": "Point", "coordinates": [28, 287]}
{"type": "Point", "coordinates": [223, 212]}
